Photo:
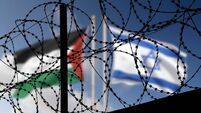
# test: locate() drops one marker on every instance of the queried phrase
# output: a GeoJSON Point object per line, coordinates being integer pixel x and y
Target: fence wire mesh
{"type": "Point", "coordinates": [30, 55]}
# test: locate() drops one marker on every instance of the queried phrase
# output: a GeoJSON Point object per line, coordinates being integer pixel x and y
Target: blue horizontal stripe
{"type": "Point", "coordinates": [153, 80]}
{"type": "Point", "coordinates": [150, 46]}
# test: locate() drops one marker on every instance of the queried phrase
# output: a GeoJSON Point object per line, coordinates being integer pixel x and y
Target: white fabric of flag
{"type": "Point", "coordinates": [158, 64]}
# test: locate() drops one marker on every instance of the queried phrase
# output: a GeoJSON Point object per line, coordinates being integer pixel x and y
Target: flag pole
{"type": "Point", "coordinates": [93, 46]}
{"type": "Point", "coordinates": [63, 56]}
{"type": "Point", "coordinates": [104, 29]}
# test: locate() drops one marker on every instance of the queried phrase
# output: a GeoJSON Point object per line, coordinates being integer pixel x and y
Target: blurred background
{"type": "Point", "coordinates": [183, 18]}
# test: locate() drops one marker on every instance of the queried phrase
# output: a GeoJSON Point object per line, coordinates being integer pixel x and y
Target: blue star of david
{"type": "Point", "coordinates": [150, 56]}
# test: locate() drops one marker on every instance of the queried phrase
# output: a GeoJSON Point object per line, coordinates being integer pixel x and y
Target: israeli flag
{"type": "Point", "coordinates": [155, 65]}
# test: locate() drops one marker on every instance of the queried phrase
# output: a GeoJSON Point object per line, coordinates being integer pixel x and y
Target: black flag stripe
{"type": "Point", "coordinates": [49, 45]}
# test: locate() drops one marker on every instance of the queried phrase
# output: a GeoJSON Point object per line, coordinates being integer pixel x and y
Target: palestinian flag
{"type": "Point", "coordinates": [40, 64]}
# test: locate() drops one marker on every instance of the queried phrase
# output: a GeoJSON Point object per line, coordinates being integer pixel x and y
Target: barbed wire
{"type": "Point", "coordinates": [46, 61]}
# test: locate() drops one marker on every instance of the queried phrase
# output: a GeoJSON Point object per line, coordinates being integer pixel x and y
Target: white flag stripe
{"type": "Point", "coordinates": [31, 65]}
